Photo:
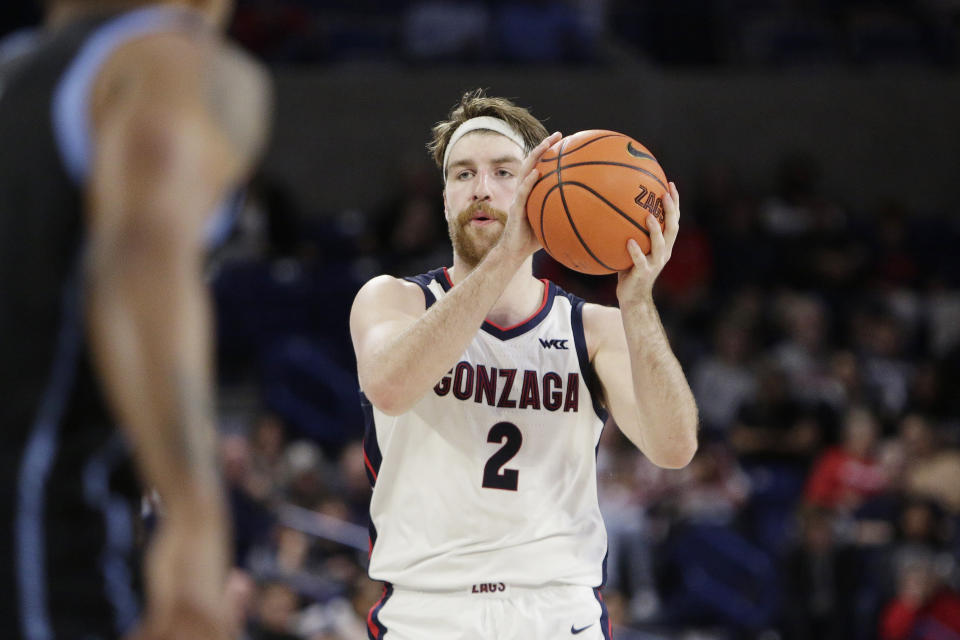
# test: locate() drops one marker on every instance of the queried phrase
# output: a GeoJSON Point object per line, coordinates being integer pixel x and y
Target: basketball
{"type": "Point", "coordinates": [595, 191]}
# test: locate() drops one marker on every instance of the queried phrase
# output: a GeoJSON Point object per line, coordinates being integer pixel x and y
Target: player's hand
{"type": "Point", "coordinates": [518, 237]}
{"type": "Point", "coordinates": [185, 574]}
{"type": "Point", "coordinates": [635, 285]}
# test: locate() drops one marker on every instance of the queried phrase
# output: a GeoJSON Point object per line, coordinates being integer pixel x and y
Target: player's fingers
{"type": "Point", "coordinates": [523, 191]}
{"type": "Point", "coordinates": [538, 150]}
{"type": "Point", "coordinates": [675, 194]}
{"type": "Point", "coordinates": [658, 245]}
{"type": "Point", "coordinates": [671, 223]}
{"type": "Point", "coordinates": [636, 253]}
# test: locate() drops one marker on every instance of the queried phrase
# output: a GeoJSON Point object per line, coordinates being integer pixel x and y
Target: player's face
{"type": "Point", "coordinates": [482, 179]}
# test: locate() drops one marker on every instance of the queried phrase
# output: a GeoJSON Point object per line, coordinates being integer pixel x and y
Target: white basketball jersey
{"type": "Point", "coordinates": [491, 477]}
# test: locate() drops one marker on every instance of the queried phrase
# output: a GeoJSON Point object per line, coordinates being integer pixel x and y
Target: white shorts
{"type": "Point", "coordinates": [492, 611]}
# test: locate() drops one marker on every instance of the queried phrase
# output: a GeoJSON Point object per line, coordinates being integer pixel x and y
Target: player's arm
{"type": "Point", "coordinates": [643, 383]}
{"type": "Point", "coordinates": [166, 151]}
{"type": "Point", "coordinates": [402, 349]}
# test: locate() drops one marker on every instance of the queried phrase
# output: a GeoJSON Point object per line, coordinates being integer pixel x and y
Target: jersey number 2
{"type": "Point", "coordinates": [494, 475]}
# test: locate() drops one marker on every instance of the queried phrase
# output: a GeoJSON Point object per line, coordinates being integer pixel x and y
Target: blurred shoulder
{"type": "Point", "coordinates": [193, 72]}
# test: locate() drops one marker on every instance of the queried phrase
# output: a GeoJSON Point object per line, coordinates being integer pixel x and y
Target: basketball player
{"type": "Point", "coordinates": [486, 390]}
{"type": "Point", "coordinates": [122, 129]}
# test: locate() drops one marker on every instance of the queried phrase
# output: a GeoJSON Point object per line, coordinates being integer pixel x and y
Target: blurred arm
{"type": "Point", "coordinates": [164, 158]}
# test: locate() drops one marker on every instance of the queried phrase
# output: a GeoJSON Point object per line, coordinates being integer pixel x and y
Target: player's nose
{"type": "Point", "coordinates": [481, 186]}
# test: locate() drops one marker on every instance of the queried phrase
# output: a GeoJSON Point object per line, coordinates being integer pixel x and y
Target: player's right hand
{"type": "Point", "coordinates": [185, 573]}
{"type": "Point", "coordinates": [518, 236]}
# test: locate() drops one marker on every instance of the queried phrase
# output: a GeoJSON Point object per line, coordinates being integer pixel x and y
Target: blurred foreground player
{"type": "Point", "coordinates": [486, 392]}
{"type": "Point", "coordinates": [123, 130]}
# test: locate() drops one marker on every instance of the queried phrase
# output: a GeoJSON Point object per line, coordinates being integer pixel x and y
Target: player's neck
{"type": "Point", "coordinates": [519, 300]}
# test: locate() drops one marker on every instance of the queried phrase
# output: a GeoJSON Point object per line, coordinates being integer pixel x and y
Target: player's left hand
{"type": "Point", "coordinates": [635, 285]}
{"type": "Point", "coordinates": [518, 238]}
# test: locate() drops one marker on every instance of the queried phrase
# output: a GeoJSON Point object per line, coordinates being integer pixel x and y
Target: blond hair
{"type": "Point", "coordinates": [476, 103]}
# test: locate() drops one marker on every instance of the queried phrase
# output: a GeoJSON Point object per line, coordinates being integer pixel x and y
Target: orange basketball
{"type": "Point", "coordinates": [595, 191]}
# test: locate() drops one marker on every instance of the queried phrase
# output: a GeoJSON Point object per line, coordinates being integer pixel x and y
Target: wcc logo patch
{"type": "Point", "coordinates": [553, 343]}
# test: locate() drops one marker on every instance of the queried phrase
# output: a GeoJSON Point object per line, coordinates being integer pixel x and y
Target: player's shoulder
{"type": "Point", "coordinates": [601, 315]}
{"type": "Point", "coordinates": [591, 312]}
{"type": "Point", "coordinates": [385, 291]}
{"type": "Point", "coordinates": [245, 77]}
{"type": "Point", "coordinates": [600, 322]}
{"type": "Point", "coordinates": [602, 326]}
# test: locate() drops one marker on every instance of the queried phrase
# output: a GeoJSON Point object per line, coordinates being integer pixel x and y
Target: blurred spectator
{"type": "Point", "coordinates": [930, 470]}
{"type": "Point", "coordinates": [266, 463]}
{"type": "Point", "coordinates": [251, 518]}
{"type": "Point", "coordinates": [277, 31]}
{"type": "Point", "coordinates": [408, 234]}
{"type": "Point", "coordinates": [939, 479]}
{"type": "Point", "coordinates": [821, 576]}
{"type": "Point", "coordinates": [343, 617]}
{"type": "Point", "coordinates": [276, 613]}
{"type": "Point", "coordinates": [773, 427]}
{"type": "Point", "coordinates": [776, 439]}
{"type": "Point", "coordinates": [722, 381]}
{"type": "Point", "coordinates": [742, 256]}
{"type": "Point", "coordinates": [886, 371]}
{"type": "Point", "coordinates": [304, 383]}
{"type": "Point", "coordinates": [943, 311]}
{"type": "Point", "coordinates": [720, 576]}
{"type": "Point", "coordinates": [291, 557]}
{"type": "Point", "coordinates": [927, 392]}
{"type": "Point", "coordinates": [712, 488]}
{"type": "Point", "coordinates": [920, 528]}
{"type": "Point", "coordinates": [303, 470]}
{"type": "Point", "coordinates": [561, 36]}
{"type": "Point", "coordinates": [440, 30]}
{"type": "Point", "coordinates": [630, 570]}
{"type": "Point", "coordinates": [895, 262]}
{"type": "Point", "coordinates": [846, 387]}
{"type": "Point", "coordinates": [924, 608]}
{"type": "Point", "coordinates": [351, 484]}
{"type": "Point", "coordinates": [618, 610]}
{"type": "Point", "coordinates": [796, 207]}
{"type": "Point", "coordinates": [803, 354]}
{"type": "Point", "coordinates": [843, 476]}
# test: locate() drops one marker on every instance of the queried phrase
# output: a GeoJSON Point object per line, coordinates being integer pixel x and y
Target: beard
{"type": "Point", "coordinates": [471, 243]}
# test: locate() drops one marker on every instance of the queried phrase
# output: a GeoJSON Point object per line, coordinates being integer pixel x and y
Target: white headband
{"type": "Point", "coordinates": [483, 122]}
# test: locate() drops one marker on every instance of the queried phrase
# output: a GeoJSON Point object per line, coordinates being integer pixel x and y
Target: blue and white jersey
{"type": "Point", "coordinates": [491, 477]}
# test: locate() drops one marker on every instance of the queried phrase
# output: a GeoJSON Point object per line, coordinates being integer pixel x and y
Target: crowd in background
{"type": "Point", "coordinates": [678, 32]}
{"type": "Point", "coordinates": [822, 344]}
{"type": "Point", "coordinates": [682, 32]}
{"type": "Point", "coordinates": [675, 32]}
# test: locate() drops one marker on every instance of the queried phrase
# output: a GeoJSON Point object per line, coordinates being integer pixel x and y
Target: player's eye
{"type": "Point", "coordinates": [464, 175]}
{"type": "Point", "coordinates": [504, 173]}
